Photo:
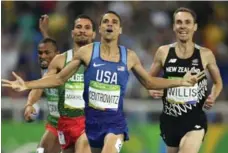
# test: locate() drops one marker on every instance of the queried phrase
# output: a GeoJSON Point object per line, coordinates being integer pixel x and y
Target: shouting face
{"type": "Point", "coordinates": [110, 28]}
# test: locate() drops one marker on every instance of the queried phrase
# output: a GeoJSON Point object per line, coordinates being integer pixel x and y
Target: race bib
{"type": "Point", "coordinates": [104, 96]}
{"type": "Point", "coordinates": [53, 108]}
{"type": "Point", "coordinates": [74, 96]}
{"type": "Point", "coordinates": [61, 137]}
{"type": "Point", "coordinates": [183, 95]}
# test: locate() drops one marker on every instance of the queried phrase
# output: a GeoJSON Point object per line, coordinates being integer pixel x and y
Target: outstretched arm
{"type": "Point", "coordinates": [57, 79]}
{"type": "Point", "coordinates": [159, 83]}
{"type": "Point", "coordinates": [49, 81]}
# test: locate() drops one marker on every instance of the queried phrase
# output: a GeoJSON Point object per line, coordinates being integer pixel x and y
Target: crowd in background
{"type": "Point", "coordinates": [146, 26]}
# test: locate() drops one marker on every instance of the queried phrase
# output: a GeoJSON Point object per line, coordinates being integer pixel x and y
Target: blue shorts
{"type": "Point", "coordinates": [97, 132]}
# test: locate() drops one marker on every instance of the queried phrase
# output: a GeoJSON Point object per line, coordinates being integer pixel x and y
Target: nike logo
{"type": "Point", "coordinates": [197, 126]}
{"type": "Point", "coordinates": [97, 65]}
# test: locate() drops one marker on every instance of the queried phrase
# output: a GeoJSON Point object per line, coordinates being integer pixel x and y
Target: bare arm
{"type": "Point", "coordinates": [155, 69]}
{"type": "Point", "coordinates": [43, 25]}
{"type": "Point", "coordinates": [82, 56]}
{"type": "Point", "coordinates": [48, 81]}
{"type": "Point", "coordinates": [146, 80]}
{"type": "Point", "coordinates": [156, 66]}
{"type": "Point", "coordinates": [53, 68]}
{"type": "Point", "coordinates": [34, 96]}
{"type": "Point", "coordinates": [59, 78]}
{"type": "Point", "coordinates": [215, 75]}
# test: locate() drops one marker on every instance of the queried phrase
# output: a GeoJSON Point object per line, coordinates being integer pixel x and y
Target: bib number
{"type": "Point", "coordinates": [183, 95]}
{"type": "Point", "coordinates": [61, 137]}
{"type": "Point", "coordinates": [74, 96]}
{"type": "Point", "coordinates": [104, 96]}
{"type": "Point", "coordinates": [53, 109]}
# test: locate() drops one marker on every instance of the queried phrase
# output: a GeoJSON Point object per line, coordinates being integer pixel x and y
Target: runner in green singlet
{"type": "Point", "coordinates": [47, 50]}
{"type": "Point", "coordinates": [71, 125]}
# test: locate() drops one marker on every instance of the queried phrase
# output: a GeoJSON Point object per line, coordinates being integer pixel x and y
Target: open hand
{"type": "Point", "coordinates": [191, 80]}
{"type": "Point", "coordinates": [17, 85]}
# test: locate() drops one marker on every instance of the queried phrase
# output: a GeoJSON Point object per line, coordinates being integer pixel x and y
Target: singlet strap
{"type": "Point", "coordinates": [69, 55]}
{"type": "Point", "coordinates": [96, 49]}
{"type": "Point", "coordinates": [123, 54]}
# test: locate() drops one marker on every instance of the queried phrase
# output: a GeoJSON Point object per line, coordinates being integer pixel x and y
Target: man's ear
{"type": "Point", "coordinates": [121, 30]}
{"type": "Point", "coordinates": [94, 35]}
{"type": "Point", "coordinates": [195, 27]}
{"type": "Point", "coordinates": [72, 34]}
{"type": "Point", "coordinates": [99, 30]}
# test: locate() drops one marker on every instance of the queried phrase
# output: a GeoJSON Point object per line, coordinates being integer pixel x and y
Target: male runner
{"type": "Point", "coordinates": [183, 122]}
{"type": "Point", "coordinates": [105, 81]}
{"type": "Point", "coordinates": [71, 103]}
{"type": "Point", "coordinates": [47, 50]}
{"type": "Point", "coordinates": [71, 125]}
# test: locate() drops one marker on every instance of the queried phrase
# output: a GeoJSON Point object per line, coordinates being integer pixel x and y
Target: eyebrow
{"type": "Point", "coordinates": [43, 50]}
{"type": "Point", "coordinates": [183, 20]}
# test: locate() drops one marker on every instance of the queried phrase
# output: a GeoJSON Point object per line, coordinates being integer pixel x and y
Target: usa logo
{"type": "Point", "coordinates": [120, 68]}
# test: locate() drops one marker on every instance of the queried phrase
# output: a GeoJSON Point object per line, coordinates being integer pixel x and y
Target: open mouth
{"type": "Point", "coordinates": [43, 62]}
{"type": "Point", "coordinates": [109, 30]}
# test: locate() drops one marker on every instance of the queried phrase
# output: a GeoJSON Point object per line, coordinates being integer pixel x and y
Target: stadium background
{"type": "Point", "coordinates": [146, 26]}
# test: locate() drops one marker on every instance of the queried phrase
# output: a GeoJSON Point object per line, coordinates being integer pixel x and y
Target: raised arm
{"type": "Point", "coordinates": [158, 83]}
{"type": "Point", "coordinates": [43, 25]}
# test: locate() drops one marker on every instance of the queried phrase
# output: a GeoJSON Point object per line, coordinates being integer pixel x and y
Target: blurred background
{"type": "Point", "coordinates": [146, 26]}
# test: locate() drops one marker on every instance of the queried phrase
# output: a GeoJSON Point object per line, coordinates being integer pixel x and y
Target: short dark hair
{"type": "Point", "coordinates": [112, 12]}
{"type": "Point", "coordinates": [184, 9]}
{"type": "Point", "coordinates": [49, 40]}
{"type": "Point", "coordinates": [83, 16]}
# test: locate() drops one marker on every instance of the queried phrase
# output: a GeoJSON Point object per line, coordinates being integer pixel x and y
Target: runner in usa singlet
{"type": "Point", "coordinates": [105, 86]}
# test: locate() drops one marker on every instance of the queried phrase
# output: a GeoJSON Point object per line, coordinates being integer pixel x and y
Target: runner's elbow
{"type": "Point", "coordinates": [150, 86]}
{"type": "Point", "coordinates": [60, 81]}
